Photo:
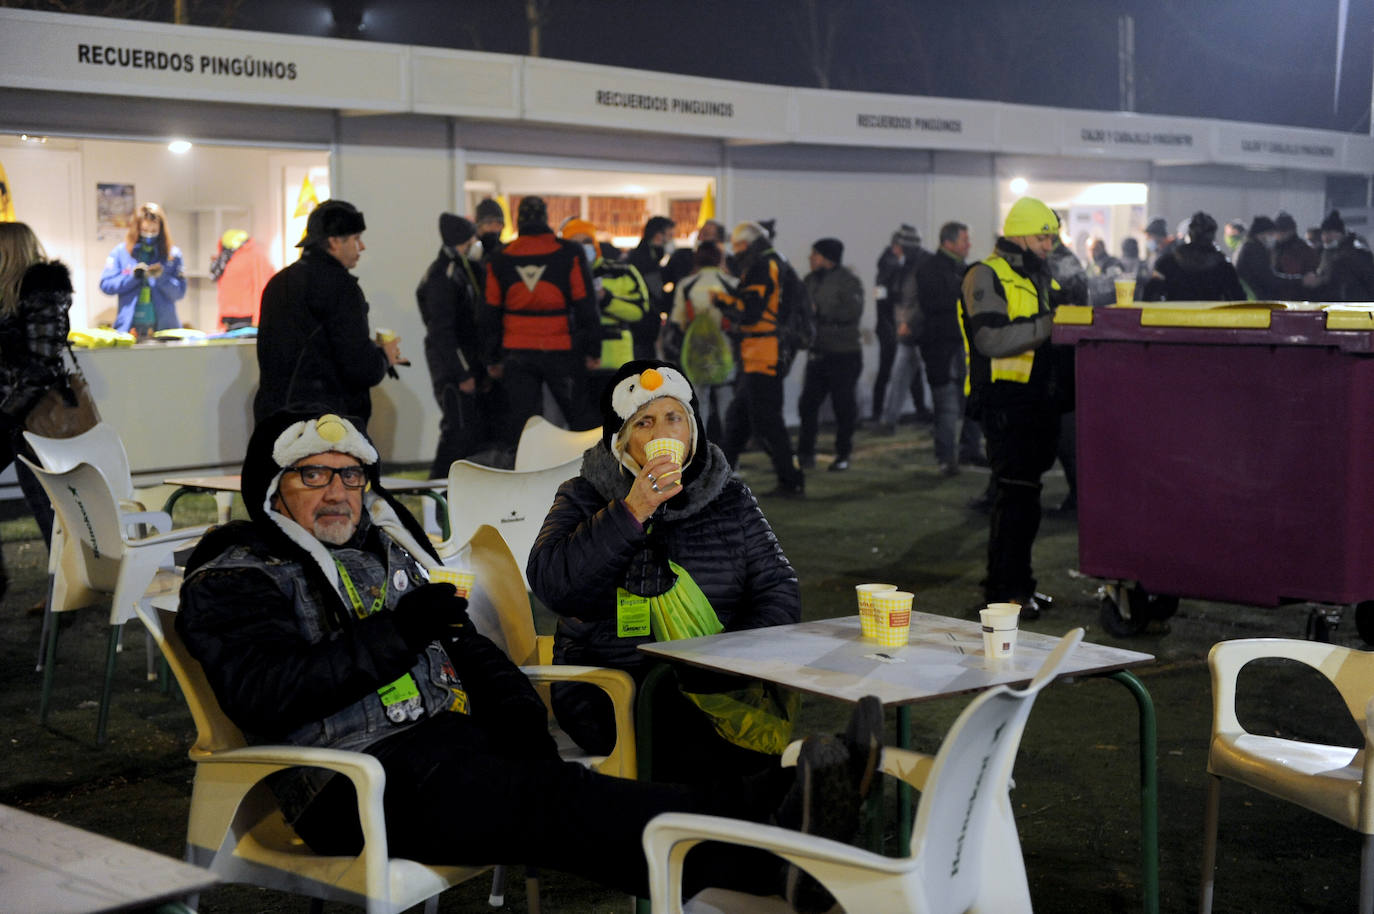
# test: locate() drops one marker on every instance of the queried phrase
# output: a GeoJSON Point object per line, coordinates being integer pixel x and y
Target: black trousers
{"type": "Point", "coordinates": [1021, 445]}
{"type": "Point", "coordinates": [757, 409]}
{"type": "Point", "coordinates": [887, 352]}
{"type": "Point", "coordinates": [467, 424]}
{"type": "Point", "coordinates": [490, 788]}
{"type": "Point", "coordinates": [833, 374]}
{"type": "Point", "coordinates": [525, 372]}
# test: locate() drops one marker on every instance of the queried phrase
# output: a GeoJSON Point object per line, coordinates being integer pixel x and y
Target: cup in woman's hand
{"type": "Point", "coordinates": [672, 447]}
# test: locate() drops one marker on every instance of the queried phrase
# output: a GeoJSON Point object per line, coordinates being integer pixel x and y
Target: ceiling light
{"type": "Point", "coordinates": [180, 147]}
{"type": "Point", "coordinates": [1019, 185]}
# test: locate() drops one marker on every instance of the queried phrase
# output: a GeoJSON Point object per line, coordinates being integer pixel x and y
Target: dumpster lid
{"type": "Point", "coordinates": [1346, 325]}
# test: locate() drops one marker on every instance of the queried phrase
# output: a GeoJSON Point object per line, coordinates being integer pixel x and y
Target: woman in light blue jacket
{"type": "Point", "coordinates": [145, 272]}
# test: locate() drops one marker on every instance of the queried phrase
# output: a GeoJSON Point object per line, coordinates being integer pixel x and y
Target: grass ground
{"type": "Point", "coordinates": [889, 518]}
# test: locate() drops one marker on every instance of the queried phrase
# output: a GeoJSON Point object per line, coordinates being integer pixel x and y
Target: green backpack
{"type": "Point", "coordinates": [706, 355]}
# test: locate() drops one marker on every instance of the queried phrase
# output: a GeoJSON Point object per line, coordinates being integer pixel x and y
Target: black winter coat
{"type": "Point", "coordinates": [590, 545]}
{"type": "Point", "coordinates": [32, 338]}
{"type": "Point", "coordinates": [314, 348]}
{"type": "Point", "coordinates": [1193, 272]}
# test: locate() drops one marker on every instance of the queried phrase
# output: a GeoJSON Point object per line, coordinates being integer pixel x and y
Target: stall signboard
{"type": "Point", "coordinates": [117, 57]}
{"type": "Point", "coordinates": [1279, 147]}
{"type": "Point", "coordinates": [870, 119]}
{"type": "Point", "coordinates": [464, 83]}
{"type": "Point", "coordinates": [1129, 136]}
{"type": "Point", "coordinates": [570, 93]}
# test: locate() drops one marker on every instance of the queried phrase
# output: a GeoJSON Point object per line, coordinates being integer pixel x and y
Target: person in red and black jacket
{"type": "Point", "coordinates": [541, 324]}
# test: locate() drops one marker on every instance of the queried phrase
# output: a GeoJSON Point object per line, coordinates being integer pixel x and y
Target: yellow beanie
{"type": "Point", "coordinates": [1029, 216]}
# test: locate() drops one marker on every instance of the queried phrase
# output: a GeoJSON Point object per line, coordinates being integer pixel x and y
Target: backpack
{"type": "Point", "coordinates": [704, 350]}
{"type": "Point", "coordinates": [796, 317]}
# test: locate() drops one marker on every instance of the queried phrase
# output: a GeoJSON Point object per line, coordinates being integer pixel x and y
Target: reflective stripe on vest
{"type": "Point", "coordinates": [1023, 300]}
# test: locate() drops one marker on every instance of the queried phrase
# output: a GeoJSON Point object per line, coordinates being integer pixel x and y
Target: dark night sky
{"type": "Point", "coordinates": [1269, 61]}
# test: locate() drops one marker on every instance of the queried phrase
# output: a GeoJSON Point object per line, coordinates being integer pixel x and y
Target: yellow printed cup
{"type": "Point", "coordinates": [867, 620]}
{"type": "Point", "coordinates": [384, 335]}
{"type": "Point", "coordinates": [669, 446]}
{"type": "Point", "coordinates": [1125, 291]}
{"type": "Point", "coordinates": [892, 610]}
{"type": "Point", "coordinates": [460, 579]}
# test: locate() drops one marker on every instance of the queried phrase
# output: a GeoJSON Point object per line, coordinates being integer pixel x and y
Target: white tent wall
{"type": "Point", "coordinates": [401, 190]}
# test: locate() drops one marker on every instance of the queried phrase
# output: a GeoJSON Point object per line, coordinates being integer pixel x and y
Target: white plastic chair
{"type": "Point", "coordinates": [543, 445]}
{"type": "Point", "coordinates": [1332, 781]}
{"type": "Point", "coordinates": [499, 607]}
{"type": "Point", "coordinates": [237, 831]}
{"type": "Point", "coordinates": [98, 557]}
{"type": "Point", "coordinates": [103, 449]}
{"type": "Point", "coordinates": [963, 820]}
{"type": "Point", "coordinates": [515, 503]}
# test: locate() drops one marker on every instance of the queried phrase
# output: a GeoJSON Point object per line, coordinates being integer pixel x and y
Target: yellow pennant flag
{"type": "Point", "coordinates": [6, 197]}
{"type": "Point", "coordinates": [509, 232]}
{"type": "Point", "coordinates": [708, 205]}
{"type": "Point", "coordinates": [307, 199]}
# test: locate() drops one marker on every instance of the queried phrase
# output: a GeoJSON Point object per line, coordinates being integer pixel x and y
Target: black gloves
{"type": "Point", "coordinates": [432, 612]}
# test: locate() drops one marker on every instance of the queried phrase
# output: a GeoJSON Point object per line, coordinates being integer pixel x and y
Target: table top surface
{"type": "Point", "coordinates": [229, 482]}
{"type": "Point", "coordinates": [943, 657]}
{"type": "Point", "coordinates": [53, 868]}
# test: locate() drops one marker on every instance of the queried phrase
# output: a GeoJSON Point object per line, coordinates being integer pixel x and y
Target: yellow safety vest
{"type": "Point", "coordinates": [1023, 300]}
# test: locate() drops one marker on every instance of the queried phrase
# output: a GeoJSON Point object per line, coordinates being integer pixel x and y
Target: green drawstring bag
{"type": "Point", "coordinates": [760, 715]}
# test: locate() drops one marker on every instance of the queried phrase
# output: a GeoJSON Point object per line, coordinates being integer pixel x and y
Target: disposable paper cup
{"type": "Point", "coordinates": [460, 579]}
{"type": "Point", "coordinates": [867, 619]}
{"type": "Point", "coordinates": [669, 446]}
{"type": "Point", "coordinates": [1125, 291]}
{"type": "Point", "coordinates": [892, 611]}
{"type": "Point", "coordinates": [384, 335]}
{"type": "Point", "coordinates": [999, 628]}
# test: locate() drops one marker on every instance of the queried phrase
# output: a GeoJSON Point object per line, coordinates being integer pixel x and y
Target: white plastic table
{"type": "Point", "coordinates": [47, 867]}
{"type": "Point", "coordinates": [944, 657]}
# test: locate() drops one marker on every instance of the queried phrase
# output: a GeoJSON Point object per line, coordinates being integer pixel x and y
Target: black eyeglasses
{"type": "Point", "coordinates": [317, 477]}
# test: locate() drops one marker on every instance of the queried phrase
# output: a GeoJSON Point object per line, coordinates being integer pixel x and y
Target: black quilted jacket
{"type": "Point", "coordinates": [590, 544]}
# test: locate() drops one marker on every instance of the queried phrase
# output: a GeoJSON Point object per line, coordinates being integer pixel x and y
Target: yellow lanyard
{"type": "Point", "coordinates": [353, 597]}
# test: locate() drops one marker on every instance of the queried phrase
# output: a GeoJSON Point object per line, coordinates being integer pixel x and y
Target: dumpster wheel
{"type": "Point", "coordinates": [1364, 620]}
{"type": "Point", "coordinates": [1128, 609]}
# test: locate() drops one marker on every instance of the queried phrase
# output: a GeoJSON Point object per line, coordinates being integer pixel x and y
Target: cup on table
{"type": "Point", "coordinates": [671, 446]}
{"type": "Point", "coordinates": [1125, 291]}
{"type": "Point", "coordinates": [460, 579]}
{"type": "Point", "coordinates": [999, 628]}
{"type": "Point", "coordinates": [868, 621]}
{"type": "Point", "coordinates": [892, 615]}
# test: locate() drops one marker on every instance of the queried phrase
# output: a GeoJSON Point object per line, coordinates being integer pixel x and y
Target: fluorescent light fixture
{"type": "Point", "coordinates": [30, 138]}
{"type": "Point", "coordinates": [1019, 185]}
{"type": "Point", "coordinates": [180, 147]}
{"type": "Point", "coordinates": [632, 189]}
{"type": "Point", "coordinates": [1112, 194]}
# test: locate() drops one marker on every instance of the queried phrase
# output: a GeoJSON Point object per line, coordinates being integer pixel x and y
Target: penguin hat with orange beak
{"type": "Point", "coordinates": [634, 386]}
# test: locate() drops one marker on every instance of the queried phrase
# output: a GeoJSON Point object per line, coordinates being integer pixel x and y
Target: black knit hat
{"type": "Point", "coordinates": [489, 210]}
{"type": "Point", "coordinates": [532, 211]}
{"type": "Point", "coordinates": [658, 224]}
{"type": "Point", "coordinates": [1333, 222]}
{"type": "Point", "coordinates": [832, 249]}
{"type": "Point", "coordinates": [1285, 223]}
{"type": "Point", "coordinates": [454, 230]}
{"type": "Point", "coordinates": [1261, 224]}
{"type": "Point", "coordinates": [1158, 227]}
{"type": "Point", "coordinates": [332, 219]}
{"type": "Point", "coordinates": [1202, 228]}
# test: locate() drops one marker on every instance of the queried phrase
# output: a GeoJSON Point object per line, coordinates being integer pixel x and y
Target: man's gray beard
{"type": "Point", "coordinates": [336, 533]}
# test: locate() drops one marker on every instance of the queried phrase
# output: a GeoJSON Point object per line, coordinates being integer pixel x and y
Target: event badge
{"type": "Point", "coordinates": [401, 700]}
{"type": "Point", "coordinates": [631, 614]}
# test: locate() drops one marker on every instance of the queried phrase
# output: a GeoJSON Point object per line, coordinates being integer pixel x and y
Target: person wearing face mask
{"type": "Point", "coordinates": [489, 221]}
{"type": "Point", "coordinates": [1019, 384]}
{"type": "Point", "coordinates": [622, 299]}
{"type": "Point", "coordinates": [647, 258]}
{"type": "Point", "coordinates": [1346, 271]}
{"type": "Point", "coordinates": [1293, 256]}
{"type": "Point", "coordinates": [471, 402]}
{"type": "Point", "coordinates": [1158, 241]}
{"type": "Point", "coordinates": [1255, 266]}
{"type": "Point", "coordinates": [144, 272]}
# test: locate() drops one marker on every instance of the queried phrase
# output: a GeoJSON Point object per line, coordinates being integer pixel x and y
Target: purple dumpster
{"type": "Point", "coordinates": [1225, 453]}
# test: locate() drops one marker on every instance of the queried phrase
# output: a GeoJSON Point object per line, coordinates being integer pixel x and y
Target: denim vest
{"type": "Point", "coordinates": [364, 722]}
